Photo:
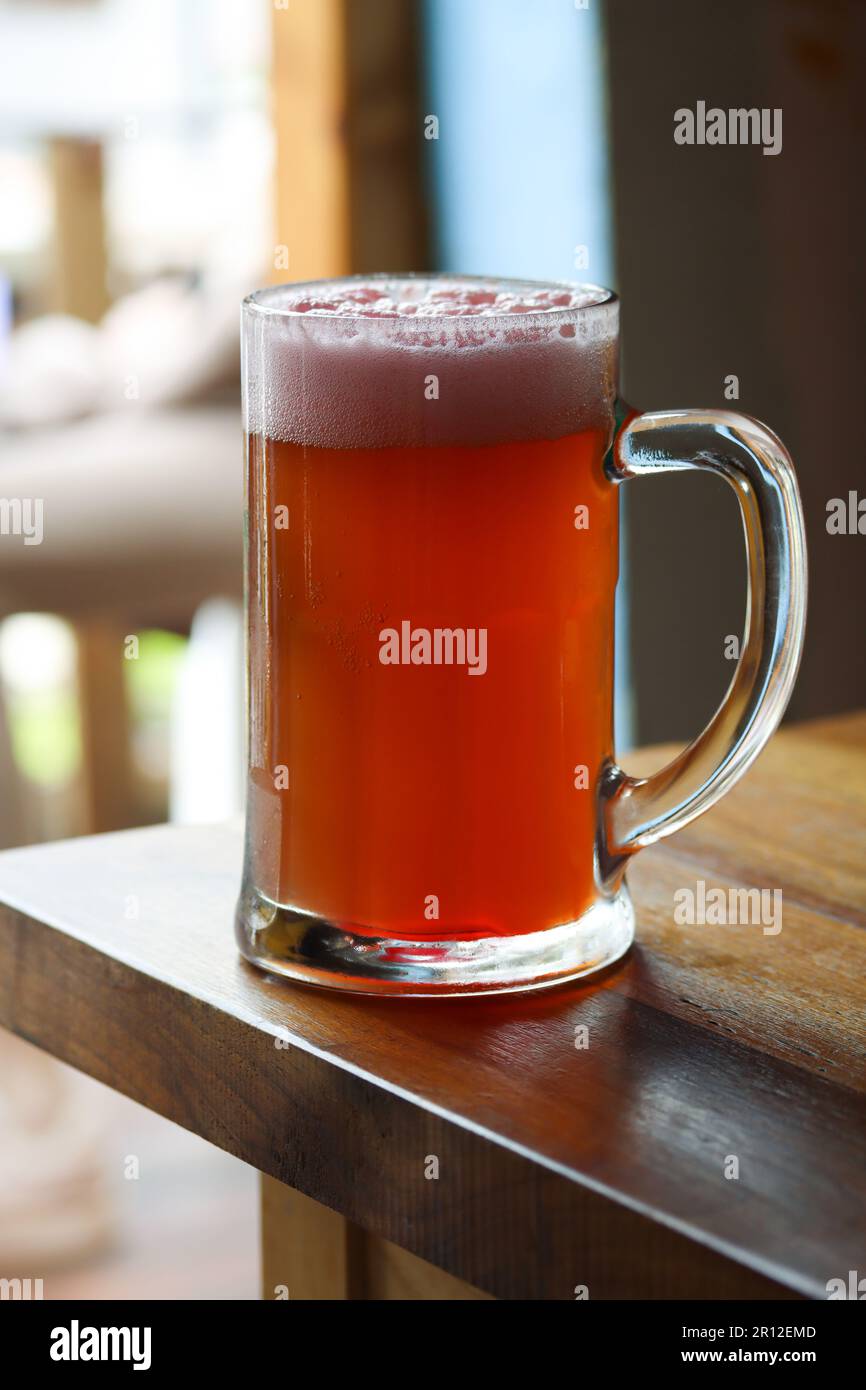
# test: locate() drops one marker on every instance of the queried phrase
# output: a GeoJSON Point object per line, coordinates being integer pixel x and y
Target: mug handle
{"type": "Point", "coordinates": [635, 812]}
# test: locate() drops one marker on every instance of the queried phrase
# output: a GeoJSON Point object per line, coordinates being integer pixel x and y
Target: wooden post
{"type": "Point", "coordinates": [80, 260]}
{"type": "Point", "coordinates": [310, 1252]}
{"type": "Point", "coordinates": [349, 139]}
{"type": "Point", "coordinates": [105, 734]}
{"type": "Point", "coordinates": [309, 102]}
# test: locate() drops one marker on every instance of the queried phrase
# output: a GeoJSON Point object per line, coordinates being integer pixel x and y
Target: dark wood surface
{"type": "Point", "coordinates": [558, 1167]}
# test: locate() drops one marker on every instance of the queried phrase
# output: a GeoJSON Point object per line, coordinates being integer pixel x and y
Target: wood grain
{"type": "Point", "coordinates": [349, 138]}
{"type": "Point", "coordinates": [394, 1274]}
{"type": "Point", "coordinates": [312, 1253]}
{"type": "Point", "coordinates": [814, 779]}
{"type": "Point", "coordinates": [308, 96]}
{"type": "Point", "coordinates": [558, 1167]}
{"type": "Point", "coordinates": [79, 256]}
{"type": "Point", "coordinates": [107, 772]}
{"type": "Point", "coordinates": [308, 1251]}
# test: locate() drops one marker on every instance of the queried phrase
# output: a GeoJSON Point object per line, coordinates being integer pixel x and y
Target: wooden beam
{"type": "Point", "coordinates": [308, 78]}
{"type": "Point", "coordinates": [349, 138]}
{"type": "Point", "coordinates": [310, 1252]}
{"type": "Point", "coordinates": [105, 732]}
{"type": "Point", "coordinates": [397, 1275]}
{"type": "Point", "coordinates": [80, 259]}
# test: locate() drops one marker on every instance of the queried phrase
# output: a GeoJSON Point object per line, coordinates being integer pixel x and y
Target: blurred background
{"type": "Point", "coordinates": [157, 161]}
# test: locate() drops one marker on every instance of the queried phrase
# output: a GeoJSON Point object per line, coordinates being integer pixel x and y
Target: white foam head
{"type": "Point", "coordinates": [379, 361]}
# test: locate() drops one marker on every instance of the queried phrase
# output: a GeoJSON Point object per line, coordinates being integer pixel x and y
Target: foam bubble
{"type": "Point", "coordinates": [428, 299]}
{"type": "Point", "coordinates": [388, 361]}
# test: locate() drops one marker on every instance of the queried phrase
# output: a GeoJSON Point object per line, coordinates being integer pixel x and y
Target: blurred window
{"type": "Point", "coordinates": [176, 93]}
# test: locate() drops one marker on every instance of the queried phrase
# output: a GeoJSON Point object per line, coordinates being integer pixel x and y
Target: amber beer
{"type": "Point", "coordinates": [433, 469]}
{"type": "Point", "coordinates": [431, 629]}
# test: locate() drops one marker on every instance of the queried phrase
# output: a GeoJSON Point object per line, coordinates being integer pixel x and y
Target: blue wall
{"type": "Point", "coordinates": [520, 169]}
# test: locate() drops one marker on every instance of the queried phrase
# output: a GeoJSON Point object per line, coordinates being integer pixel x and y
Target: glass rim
{"type": "Point", "coordinates": [257, 301]}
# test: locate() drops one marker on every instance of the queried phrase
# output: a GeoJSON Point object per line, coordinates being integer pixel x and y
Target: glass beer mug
{"type": "Point", "coordinates": [433, 471]}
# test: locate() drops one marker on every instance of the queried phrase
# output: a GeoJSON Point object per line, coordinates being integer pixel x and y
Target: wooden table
{"type": "Point", "coordinates": [712, 1050]}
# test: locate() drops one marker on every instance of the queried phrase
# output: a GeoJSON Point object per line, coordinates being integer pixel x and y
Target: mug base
{"type": "Point", "coordinates": [287, 941]}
